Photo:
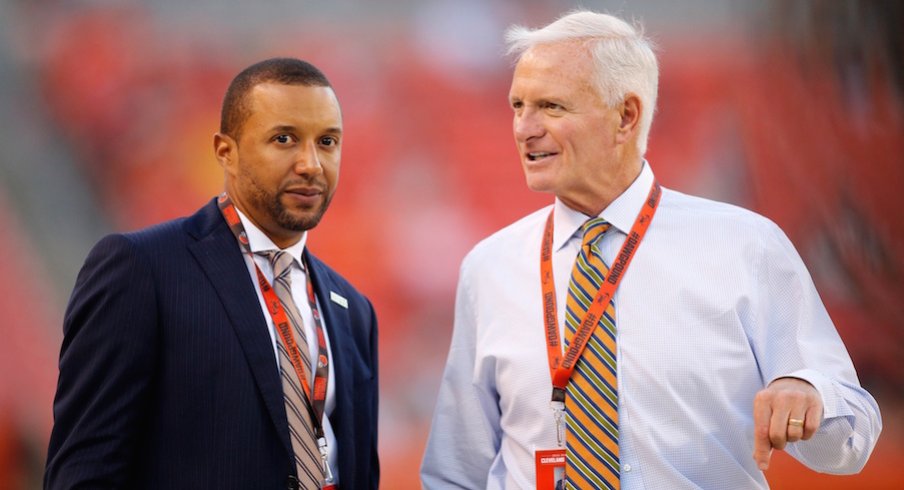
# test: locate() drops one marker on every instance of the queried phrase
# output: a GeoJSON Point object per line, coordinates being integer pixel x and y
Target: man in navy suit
{"type": "Point", "coordinates": [171, 373]}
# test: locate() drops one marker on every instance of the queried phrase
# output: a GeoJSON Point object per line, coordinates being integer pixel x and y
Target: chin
{"type": "Point", "coordinates": [539, 185]}
{"type": "Point", "coordinates": [302, 219]}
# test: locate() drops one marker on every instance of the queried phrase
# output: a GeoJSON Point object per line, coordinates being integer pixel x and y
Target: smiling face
{"type": "Point", "coordinates": [570, 142]}
{"type": "Point", "coordinates": [284, 168]}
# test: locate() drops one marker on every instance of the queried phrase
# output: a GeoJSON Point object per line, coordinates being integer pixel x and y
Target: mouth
{"type": "Point", "coordinates": [305, 191]}
{"type": "Point", "coordinates": [304, 195]}
{"type": "Point", "coordinates": [536, 156]}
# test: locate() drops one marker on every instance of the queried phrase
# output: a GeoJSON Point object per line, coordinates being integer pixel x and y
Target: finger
{"type": "Point", "coordinates": [796, 426]}
{"type": "Point", "coordinates": [778, 427]}
{"type": "Point", "coordinates": [813, 418]}
{"type": "Point", "coordinates": [762, 414]}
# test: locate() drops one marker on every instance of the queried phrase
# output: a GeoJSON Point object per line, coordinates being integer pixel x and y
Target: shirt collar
{"type": "Point", "coordinates": [258, 241]}
{"type": "Point", "coordinates": [620, 213]}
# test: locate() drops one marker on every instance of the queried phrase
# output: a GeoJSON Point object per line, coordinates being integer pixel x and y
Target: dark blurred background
{"type": "Point", "coordinates": [792, 108]}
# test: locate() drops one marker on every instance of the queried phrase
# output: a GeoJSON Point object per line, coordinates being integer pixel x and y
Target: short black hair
{"type": "Point", "coordinates": [287, 71]}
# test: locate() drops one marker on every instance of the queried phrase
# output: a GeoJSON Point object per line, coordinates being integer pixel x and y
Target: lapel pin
{"type": "Point", "coordinates": [338, 299]}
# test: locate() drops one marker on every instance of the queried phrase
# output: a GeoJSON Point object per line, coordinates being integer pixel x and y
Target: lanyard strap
{"type": "Point", "coordinates": [316, 401]}
{"type": "Point", "coordinates": [561, 368]}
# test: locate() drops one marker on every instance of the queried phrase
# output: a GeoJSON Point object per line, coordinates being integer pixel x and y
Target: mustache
{"type": "Point", "coordinates": [319, 185]}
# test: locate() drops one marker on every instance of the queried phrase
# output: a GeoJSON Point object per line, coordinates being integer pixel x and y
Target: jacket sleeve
{"type": "Point", "coordinates": [374, 401]}
{"type": "Point", "coordinates": [106, 369]}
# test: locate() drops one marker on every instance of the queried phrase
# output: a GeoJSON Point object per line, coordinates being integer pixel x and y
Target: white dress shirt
{"type": "Point", "coordinates": [715, 305]}
{"type": "Point", "coordinates": [259, 242]}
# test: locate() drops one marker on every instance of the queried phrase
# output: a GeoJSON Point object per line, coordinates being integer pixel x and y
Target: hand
{"type": "Point", "coordinates": [785, 399]}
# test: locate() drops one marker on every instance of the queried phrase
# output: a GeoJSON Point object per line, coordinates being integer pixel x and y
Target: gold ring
{"type": "Point", "coordinates": [795, 422]}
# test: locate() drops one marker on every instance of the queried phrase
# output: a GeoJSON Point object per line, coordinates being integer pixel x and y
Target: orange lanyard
{"type": "Point", "coordinates": [561, 368]}
{"type": "Point", "coordinates": [315, 404]}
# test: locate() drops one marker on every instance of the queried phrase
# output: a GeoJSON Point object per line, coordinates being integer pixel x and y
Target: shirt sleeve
{"type": "Point", "coordinates": [465, 436]}
{"type": "Point", "coordinates": [794, 337]}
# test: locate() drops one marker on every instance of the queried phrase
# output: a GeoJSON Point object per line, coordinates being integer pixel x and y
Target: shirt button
{"type": "Point", "coordinates": [626, 468]}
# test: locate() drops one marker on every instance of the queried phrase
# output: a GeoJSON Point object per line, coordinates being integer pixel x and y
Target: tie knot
{"type": "Point", "coordinates": [593, 229]}
{"type": "Point", "coordinates": [280, 261]}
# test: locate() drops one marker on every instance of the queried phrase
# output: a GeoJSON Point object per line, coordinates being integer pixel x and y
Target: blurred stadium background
{"type": "Point", "coordinates": [792, 108]}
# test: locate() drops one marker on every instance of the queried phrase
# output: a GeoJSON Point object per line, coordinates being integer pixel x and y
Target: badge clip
{"type": "Point", "coordinates": [329, 483]}
{"type": "Point", "coordinates": [558, 412]}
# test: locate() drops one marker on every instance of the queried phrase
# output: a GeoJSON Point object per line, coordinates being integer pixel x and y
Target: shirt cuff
{"type": "Point", "coordinates": [833, 403]}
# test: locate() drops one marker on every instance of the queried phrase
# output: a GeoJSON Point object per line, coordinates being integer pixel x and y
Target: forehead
{"type": "Point", "coordinates": [275, 103]}
{"type": "Point", "coordinates": [552, 68]}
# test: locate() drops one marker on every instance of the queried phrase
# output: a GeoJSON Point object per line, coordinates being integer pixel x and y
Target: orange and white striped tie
{"type": "Point", "coordinates": [591, 401]}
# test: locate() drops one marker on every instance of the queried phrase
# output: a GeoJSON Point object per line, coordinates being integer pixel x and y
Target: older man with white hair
{"type": "Point", "coordinates": [631, 336]}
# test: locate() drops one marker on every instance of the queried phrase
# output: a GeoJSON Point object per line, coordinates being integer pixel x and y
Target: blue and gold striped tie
{"type": "Point", "coordinates": [591, 401]}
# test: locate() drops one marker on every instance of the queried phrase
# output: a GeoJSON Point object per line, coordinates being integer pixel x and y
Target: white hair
{"type": "Point", "coordinates": [624, 58]}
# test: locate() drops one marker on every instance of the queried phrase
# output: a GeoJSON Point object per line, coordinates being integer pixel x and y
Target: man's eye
{"type": "Point", "coordinates": [329, 141]}
{"type": "Point", "coordinates": [283, 139]}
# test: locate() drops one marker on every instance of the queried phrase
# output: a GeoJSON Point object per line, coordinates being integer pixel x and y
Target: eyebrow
{"type": "Point", "coordinates": [290, 128]}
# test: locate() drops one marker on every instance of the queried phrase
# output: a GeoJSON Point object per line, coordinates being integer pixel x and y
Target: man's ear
{"type": "Point", "coordinates": [630, 111]}
{"type": "Point", "coordinates": [226, 150]}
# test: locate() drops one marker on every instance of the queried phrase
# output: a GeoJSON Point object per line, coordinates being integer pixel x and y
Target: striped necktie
{"type": "Point", "coordinates": [591, 401]}
{"type": "Point", "coordinates": [301, 429]}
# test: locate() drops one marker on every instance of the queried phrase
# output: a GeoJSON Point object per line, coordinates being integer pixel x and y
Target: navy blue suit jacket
{"type": "Point", "coordinates": [167, 372]}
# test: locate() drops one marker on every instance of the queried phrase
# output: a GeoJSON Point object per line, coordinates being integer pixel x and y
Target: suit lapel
{"type": "Point", "coordinates": [221, 259]}
{"type": "Point", "coordinates": [342, 350]}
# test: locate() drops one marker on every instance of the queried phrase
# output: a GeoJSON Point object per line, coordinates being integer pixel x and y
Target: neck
{"type": "Point", "coordinates": [604, 193]}
{"type": "Point", "coordinates": [283, 242]}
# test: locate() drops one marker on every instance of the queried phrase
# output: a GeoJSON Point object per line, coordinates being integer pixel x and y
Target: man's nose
{"type": "Point", "coordinates": [307, 161]}
{"type": "Point", "coordinates": [527, 125]}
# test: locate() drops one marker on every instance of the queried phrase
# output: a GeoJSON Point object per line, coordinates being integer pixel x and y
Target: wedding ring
{"type": "Point", "coordinates": [795, 422]}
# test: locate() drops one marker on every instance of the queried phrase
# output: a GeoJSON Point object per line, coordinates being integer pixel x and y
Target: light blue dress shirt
{"type": "Point", "coordinates": [715, 305]}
